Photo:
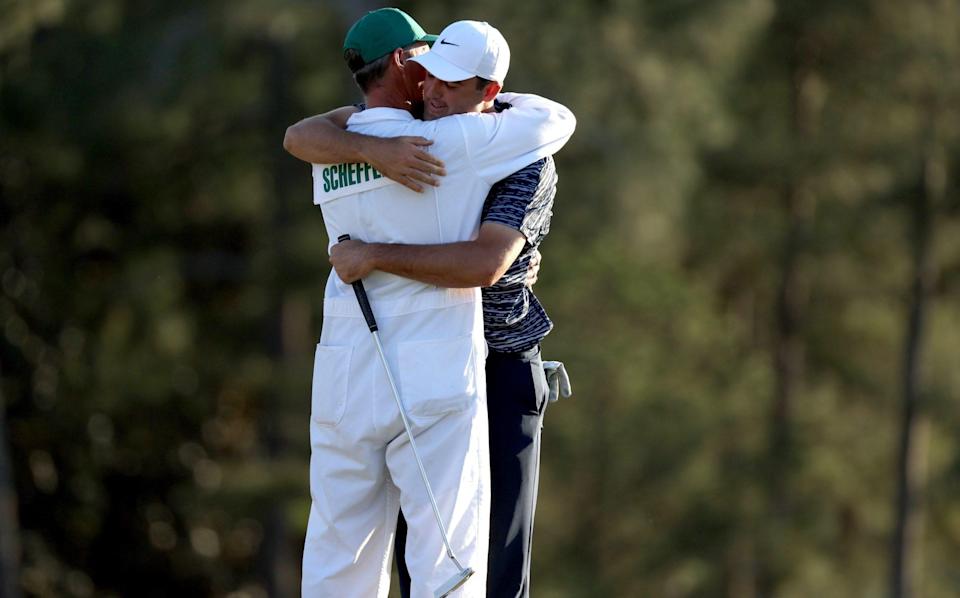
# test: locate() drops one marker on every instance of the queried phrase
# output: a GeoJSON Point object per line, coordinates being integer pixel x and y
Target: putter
{"type": "Point", "coordinates": [463, 574]}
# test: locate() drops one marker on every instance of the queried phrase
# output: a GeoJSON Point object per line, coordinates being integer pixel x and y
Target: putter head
{"type": "Point", "coordinates": [453, 583]}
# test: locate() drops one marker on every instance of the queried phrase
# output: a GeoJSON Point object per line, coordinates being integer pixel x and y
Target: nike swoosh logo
{"type": "Point", "coordinates": [444, 42]}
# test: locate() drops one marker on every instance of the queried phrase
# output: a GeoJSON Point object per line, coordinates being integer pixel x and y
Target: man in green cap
{"type": "Point", "coordinates": [437, 332]}
{"type": "Point", "coordinates": [323, 139]}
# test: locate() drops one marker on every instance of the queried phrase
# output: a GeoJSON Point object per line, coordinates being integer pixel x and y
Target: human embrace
{"type": "Point", "coordinates": [445, 185]}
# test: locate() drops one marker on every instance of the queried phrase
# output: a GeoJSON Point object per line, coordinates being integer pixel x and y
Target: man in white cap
{"type": "Point", "coordinates": [361, 466]}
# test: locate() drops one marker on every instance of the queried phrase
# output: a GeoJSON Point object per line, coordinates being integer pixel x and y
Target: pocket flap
{"type": "Point", "coordinates": [331, 375]}
{"type": "Point", "coordinates": [438, 376]}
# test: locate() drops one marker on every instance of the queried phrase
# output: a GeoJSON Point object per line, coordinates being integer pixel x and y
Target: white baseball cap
{"type": "Point", "coordinates": [467, 49]}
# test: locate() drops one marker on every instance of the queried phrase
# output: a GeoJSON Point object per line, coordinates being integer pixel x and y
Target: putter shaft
{"type": "Point", "coordinates": [416, 453]}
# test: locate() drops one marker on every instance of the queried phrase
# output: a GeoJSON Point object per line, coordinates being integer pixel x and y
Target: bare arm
{"type": "Point", "coordinates": [477, 263]}
{"type": "Point", "coordinates": [322, 139]}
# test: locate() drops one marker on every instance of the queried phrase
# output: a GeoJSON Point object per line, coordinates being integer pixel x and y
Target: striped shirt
{"type": "Point", "coordinates": [513, 318]}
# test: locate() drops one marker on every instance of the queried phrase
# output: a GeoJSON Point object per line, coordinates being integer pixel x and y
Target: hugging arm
{"type": "Point", "coordinates": [477, 263]}
{"type": "Point", "coordinates": [323, 139]}
{"type": "Point", "coordinates": [532, 129]}
{"type": "Point", "coordinates": [523, 197]}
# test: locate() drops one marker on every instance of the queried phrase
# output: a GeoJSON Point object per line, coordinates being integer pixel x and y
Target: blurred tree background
{"type": "Point", "coordinates": [754, 271]}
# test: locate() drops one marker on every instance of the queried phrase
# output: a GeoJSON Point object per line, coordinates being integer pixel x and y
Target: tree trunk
{"type": "Point", "coordinates": [787, 351]}
{"type": "Point", "coordinates": [279, 567]}
{"type": "Point", "coordinates": [911, 455]}
{"type": "Point", "coordinates": [9, 524]}
{"type": "Point", "coordinates": [788, 356]}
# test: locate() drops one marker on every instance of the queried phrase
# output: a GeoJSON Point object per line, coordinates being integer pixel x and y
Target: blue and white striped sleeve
{"type": "Point", "coordinates": [523, 201]}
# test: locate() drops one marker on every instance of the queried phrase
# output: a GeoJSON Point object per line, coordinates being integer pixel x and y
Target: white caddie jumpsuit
{"type": "Point", "coordinates": [361, 467]}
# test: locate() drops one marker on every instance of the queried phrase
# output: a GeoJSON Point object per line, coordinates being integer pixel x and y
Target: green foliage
{"type": "Point", "coordinates": [162, 267]}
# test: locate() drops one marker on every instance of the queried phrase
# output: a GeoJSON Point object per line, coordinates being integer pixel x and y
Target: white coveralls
{"type": "Point", "coordinates": [361, 467]}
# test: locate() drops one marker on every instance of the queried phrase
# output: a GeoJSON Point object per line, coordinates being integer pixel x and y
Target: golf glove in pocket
{"type": "Point", "coordinates": [557, 380]}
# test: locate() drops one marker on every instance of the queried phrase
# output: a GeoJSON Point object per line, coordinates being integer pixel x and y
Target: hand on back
{"type": "Point", "coordinates": [406, 161]}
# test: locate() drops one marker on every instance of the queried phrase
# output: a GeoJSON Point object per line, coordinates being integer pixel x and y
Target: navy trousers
{"type": "Point", "coordinates": [516, 400]}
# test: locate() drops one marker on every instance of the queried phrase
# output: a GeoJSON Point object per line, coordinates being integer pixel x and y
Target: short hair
{"type": "Point", "coordinates": [482, 83]}
{"type": "Point", "coordinates": [364, 73]}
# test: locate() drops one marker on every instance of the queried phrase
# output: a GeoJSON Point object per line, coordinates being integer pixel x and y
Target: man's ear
{"type": "Point", "coordinates": [397, 58]}
{"type": "Point", "coordinates": [491, 91]}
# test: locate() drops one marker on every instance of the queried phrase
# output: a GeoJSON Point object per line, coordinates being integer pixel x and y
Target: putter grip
{"type": "Point", "coordinates": [361, 294]}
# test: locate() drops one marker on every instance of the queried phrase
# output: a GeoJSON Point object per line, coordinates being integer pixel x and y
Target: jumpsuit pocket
{"type": "Point", "coordinates": [438, 376]}
{"type": "Point", "coordinates": [331, 370]}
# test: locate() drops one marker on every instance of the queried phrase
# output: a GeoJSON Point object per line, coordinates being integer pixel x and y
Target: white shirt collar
{"type": "Point", "coordinates": [372, 115]}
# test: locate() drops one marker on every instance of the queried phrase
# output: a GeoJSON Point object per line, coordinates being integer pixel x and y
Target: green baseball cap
{"type": "Point", "coordinates": [382, 31]}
